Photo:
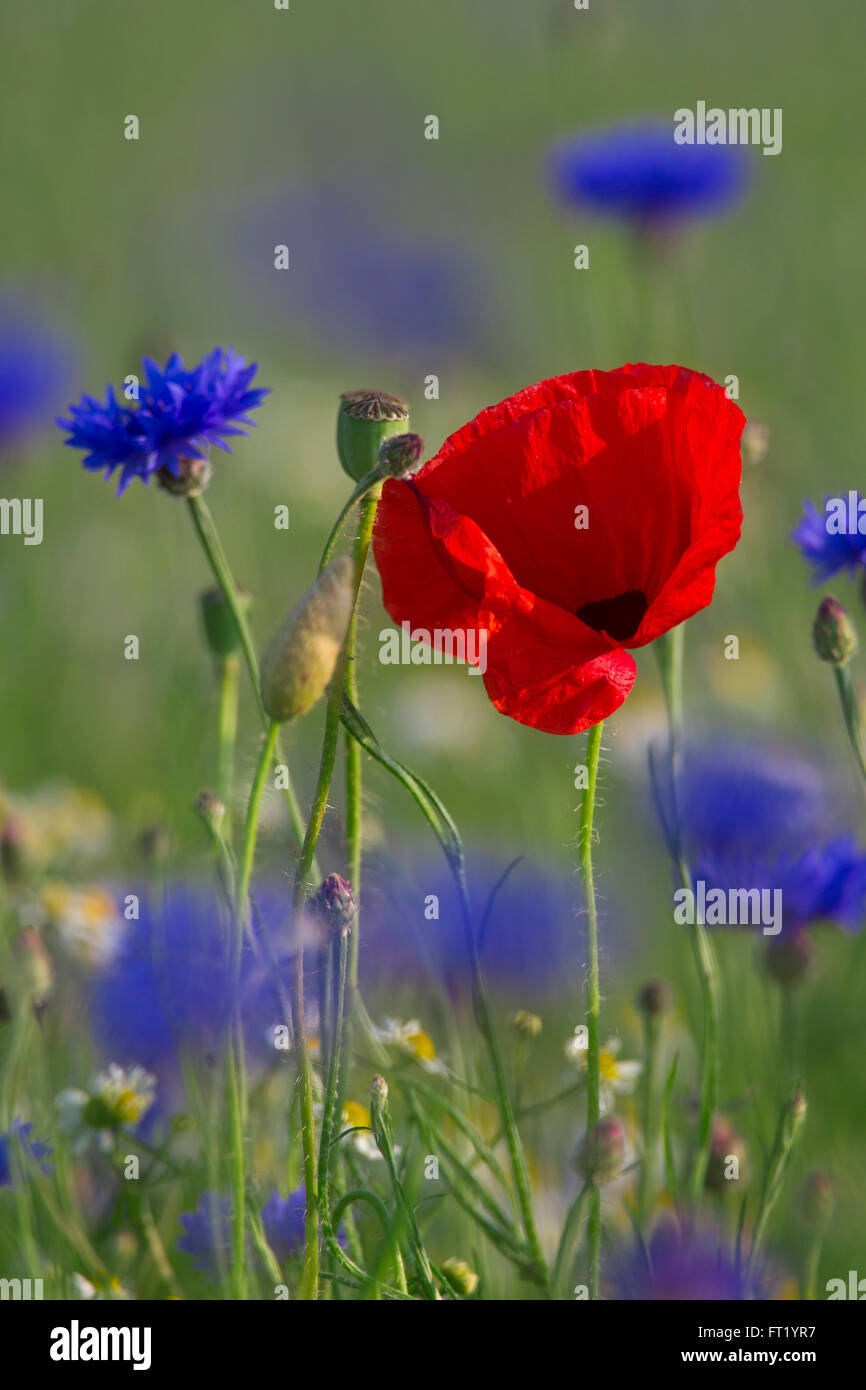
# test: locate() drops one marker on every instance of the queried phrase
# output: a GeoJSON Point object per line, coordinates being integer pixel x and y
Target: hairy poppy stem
{"type": "Point", "coordinates": [354, 773]}
{"type": "Point", "coordinates": [669, 652]}
{"type": "Point", "coordinates": [593, 994]}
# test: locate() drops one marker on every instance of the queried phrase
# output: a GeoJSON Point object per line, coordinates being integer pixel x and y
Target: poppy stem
{"type": "Point", "coordinates": [593, 995]}
{"type": "Point", "coordinates": [669, 652]}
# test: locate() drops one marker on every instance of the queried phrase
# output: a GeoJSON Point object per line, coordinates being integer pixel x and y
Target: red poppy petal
{"type": "Point", "coordinates": [535, 683]}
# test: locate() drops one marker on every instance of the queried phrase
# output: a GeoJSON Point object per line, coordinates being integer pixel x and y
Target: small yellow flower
{"type": "Point", "coordinates": [617, 1078]}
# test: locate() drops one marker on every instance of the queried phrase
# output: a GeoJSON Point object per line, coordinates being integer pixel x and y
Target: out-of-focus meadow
{"type": "Point", "coordinates": [412, 258]}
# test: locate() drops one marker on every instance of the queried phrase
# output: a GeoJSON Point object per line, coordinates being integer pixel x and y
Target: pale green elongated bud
{"type": "Point", "coordinates": [220, 629]}
{"type": "Point", "coordinates": [399, 455]}
{"type": "Point", "coordinates": [380, 1116]}
{"type": "Point", "coordinates": [298, 665]}
{"type": "Point", "coordinates": [526, 1024]}
{"type": "Point", "coordinates": [833, 633]}
{"type": "Point", "coordinates": [37, 967]}
{"type": "Point", "coordinates": [364, 421]}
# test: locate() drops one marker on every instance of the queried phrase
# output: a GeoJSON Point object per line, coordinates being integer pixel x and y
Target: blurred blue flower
{"type": "Point", "coordinates": [757, 817]}
{"type": "Point", "coordinates": [532, 940]}
{"type": "Point", "coordinates": [357, 280]}
{"type": "Point", "coordinates": [34, 365]}
{"type": "Point", "coordinates": [677, 1267]}
{"type": "Point", "coordinates": [207, 1234]}
{"type": "Point", "coordinates": [18, 1135]}
{"type": "Point", "coordinates": [826, 553]}
{"type": "Point", "coordinates": [179, 414]}
{"type": "Point", "coordinates": [639, 172]}
{"type": "Point", "coordinates": [170, 988]}
{"type": "Point", "coordinates": [283, 1222]}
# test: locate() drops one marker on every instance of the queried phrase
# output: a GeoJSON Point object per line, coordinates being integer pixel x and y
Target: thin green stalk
{"type": "Point", "coordinates": [354, 774]}
{"type": "Point", "coordinates": [851, 714]}
{"type": "Point", "coordinates": [341, 946]}
{"type": "Point", "coordinates": [234, 1098]}
{"type": "Point", "coordinates": [248, 845]}
{"type": "Point", "coordinates": [593, 993]}
{"type": "Point", "coordinates": [367, 483]}
{"type": "Point", "coordinates": [565, 1252]}
{"type": "Point", "coordinates": [788, 1129]}
{"type": "Point", "coordinates": [669, 652]}
{"type": "Point", "coordinates": [207, 533]}
{"type": "Point", "coordinates": [649, 1119]}
{"type": "Point", "coordinates": [227, 729]}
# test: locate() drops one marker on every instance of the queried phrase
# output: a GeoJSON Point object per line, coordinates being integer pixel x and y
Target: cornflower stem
{"type": "Point", "coordinates": [248, 844]}
{"type": "Point", "coordinates": [208, 536]}
{"type": "Point", "coordinates": [227, 729]}
{"type": "Point", "coordinates": [593, 994]}
{"type": "Point", "coordinates": [354, 763]}
{"type": "Point", "coordinates": [791, 1119]}
{"type": "Point", "coordinates": [669, 653]}
{"type": "Point", "coordinates": [565, 1252]}
{"type": "Point", "coordinates": [850, 714]}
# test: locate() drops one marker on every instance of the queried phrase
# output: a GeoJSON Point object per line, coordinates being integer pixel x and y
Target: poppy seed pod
{"type": "Point", "coordinates": [833, 633]}
{"type": "Point", "coordinates": [364, 421]}
{"type": "Point", "coordinates": [298, 665]}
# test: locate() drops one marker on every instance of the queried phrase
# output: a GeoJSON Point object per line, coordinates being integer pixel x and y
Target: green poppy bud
{"type": "Point", "coordinates": [220, 629]}
{"type": "Point", "coordinates": [298, 665]}
{"type": "Point", "coordinates": [833, 633]}
{"type": "Point", "coordinates": [364, 421]}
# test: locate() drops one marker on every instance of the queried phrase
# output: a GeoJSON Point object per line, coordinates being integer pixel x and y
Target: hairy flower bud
{"type": "Point", "coordinates": [526, 1024]}
{"type": "Point", "coordinates": [655, 998]}
{"type": "Point", "coordinates": [298, 665]}
{"type": "Point", "coordinates": [211, 809]}
{"type": "Point", "coordinates": [601, 1154]}
{"type": "Point", "coordinates": [364, 421]}
{"type": "Point", "coordinates": [833, 633]}
{"type": "Point", "coordinates": [399, 455]}
{"type": "Point", "coordinates": [333, 904]}
{"type": "Point", "coordinates": [220, 629]}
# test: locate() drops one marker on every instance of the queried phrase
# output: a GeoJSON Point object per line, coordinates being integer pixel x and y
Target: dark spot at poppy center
{"type": "Point", "coordinates": [619, 617]}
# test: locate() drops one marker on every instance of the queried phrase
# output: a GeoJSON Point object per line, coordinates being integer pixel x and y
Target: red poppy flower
{"type": "Point", "coordinates": [579, 517]}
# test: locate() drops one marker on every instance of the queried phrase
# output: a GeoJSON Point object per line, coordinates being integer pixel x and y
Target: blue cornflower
{"type": "Point", "coordinates": [763, 818]}
{"type": "Point", "coordinates": [639, 172]}
{"type": "Point", "coordinates": [180, 413]}
{"type": "Point", "coordinates": [677, 1267]}
{"type": "Point", "coordinates": [207, 1236]}
{"type": "Point", "coordinates": [826, 553]}
{"type": "Point", "coordinates": [170, 989]}
{"type": "Point", "coordinates": [529, 941]}
{"type": "Point", "coordinates": [34, 362]}
{"type": "Point", "coordinates": [19, 1135]}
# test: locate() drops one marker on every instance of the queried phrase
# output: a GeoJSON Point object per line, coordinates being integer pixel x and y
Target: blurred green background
{"type": "Point", "coordinates": [261, 127]}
